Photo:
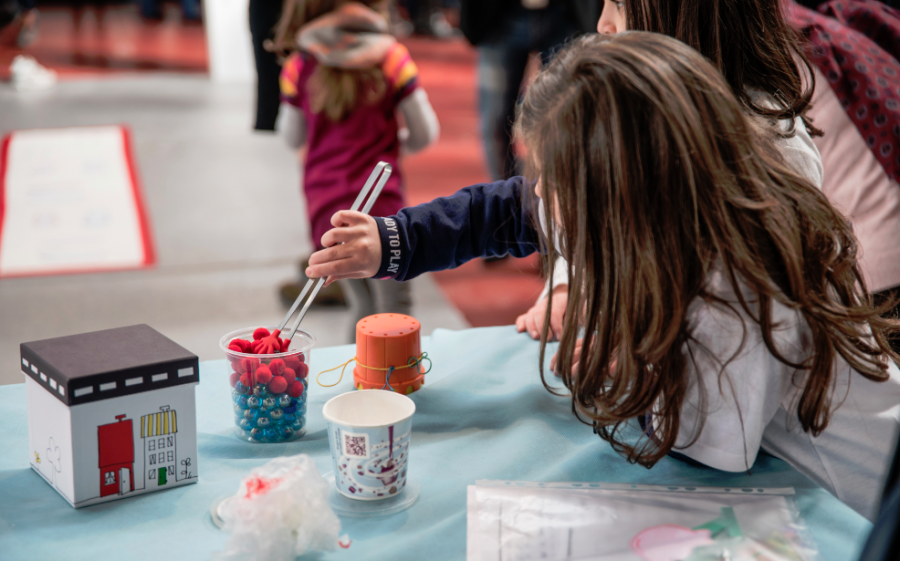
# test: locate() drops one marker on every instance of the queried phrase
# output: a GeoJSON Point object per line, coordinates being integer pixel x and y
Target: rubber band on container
{"type": "Point", "coordinates": [414, 361]}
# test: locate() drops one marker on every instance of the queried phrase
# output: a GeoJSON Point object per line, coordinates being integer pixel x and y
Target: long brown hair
{"type": "Point", "coordinates": [659, 178]}
{"type": "Point", "coordinates": [749, 42]}
{"type": "Point", "coordinates": [334, 91]}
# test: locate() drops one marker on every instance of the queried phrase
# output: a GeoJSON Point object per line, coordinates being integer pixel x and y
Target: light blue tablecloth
{"type": "Point", "coordinates": [482, 414]}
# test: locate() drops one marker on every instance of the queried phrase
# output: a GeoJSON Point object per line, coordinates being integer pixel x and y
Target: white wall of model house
{"type": "Point", "coordinates": [66, 448]}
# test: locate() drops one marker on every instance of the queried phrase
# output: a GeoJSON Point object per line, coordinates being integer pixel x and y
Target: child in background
{"type": "Point", "coordinates": [756, 51]}
{"type": "Point", "coordinates": [720, 293]}
{"type": "Point", "coordinates": [341, 91]}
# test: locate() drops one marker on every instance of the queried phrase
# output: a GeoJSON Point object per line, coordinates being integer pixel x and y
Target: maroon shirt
{"type": "Point", "coordinates": [341, 155]}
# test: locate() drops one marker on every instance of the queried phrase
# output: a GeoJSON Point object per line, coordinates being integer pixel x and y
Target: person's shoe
{"type": "Point", "coordinates": [330, 296]}
{"type": "Point", "coordinates": [28, 75]}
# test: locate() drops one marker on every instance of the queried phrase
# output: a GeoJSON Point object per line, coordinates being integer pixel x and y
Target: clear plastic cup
{"type": "Point", "coordinates": [266, 410]}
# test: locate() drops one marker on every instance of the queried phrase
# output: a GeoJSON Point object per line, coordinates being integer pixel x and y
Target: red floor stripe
{"type": "Point", "coordinates": [97, 40]}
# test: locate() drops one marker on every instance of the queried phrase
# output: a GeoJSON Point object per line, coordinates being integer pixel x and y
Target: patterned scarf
{"type": "Point", "coordinates": [857, 52]}
{"type": "Point", "coordinates": [353, 36]}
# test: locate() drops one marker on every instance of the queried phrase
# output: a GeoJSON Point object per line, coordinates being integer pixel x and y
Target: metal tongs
{"type": "Point", "coordinates": [384, 170]}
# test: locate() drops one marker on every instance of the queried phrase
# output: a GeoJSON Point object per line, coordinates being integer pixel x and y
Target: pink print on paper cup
{"type": "Point", "coordinates": [369, 435]}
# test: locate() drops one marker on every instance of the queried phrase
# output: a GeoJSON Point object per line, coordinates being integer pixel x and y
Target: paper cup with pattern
{"type": "Point", "coordinates": [369, 435]}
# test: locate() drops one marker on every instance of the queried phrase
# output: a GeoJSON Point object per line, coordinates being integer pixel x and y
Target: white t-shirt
{"type": "Point", "coordinates": [756, 407]}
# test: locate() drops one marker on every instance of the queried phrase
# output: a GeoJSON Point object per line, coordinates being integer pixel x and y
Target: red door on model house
{"type": "Point", "coordinates": [116, 452]}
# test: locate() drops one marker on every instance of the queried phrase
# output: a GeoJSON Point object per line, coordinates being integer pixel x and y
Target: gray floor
{"type": "Point", "coordinates": [226, 214]}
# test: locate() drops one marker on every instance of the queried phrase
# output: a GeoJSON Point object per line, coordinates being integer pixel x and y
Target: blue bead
{"type": "Point", "coordinates": [301, 411]}
{"type": "Point", "coordinates": [276, 414]}
{"type": "Point", "coordinates": [238, 410]}
{"type": "Point", "coordinates": [269, 403]}
{"type": "Point", "coordinates": [285, 433]}
{"type": "Point", "coordinates": [246, 424]}
{"type": "Point", "coordinates": [243, 401]}
{"type": "Point", "coordinates": [271, 434]}
{"type": "Point", "coordinates": [239, 387]}
{"type": "Point", "coordinates": [302, 398]}
{"type": "Point", "coordinates": [260, 391]}
{"type": "Point", "coordinates": [251, 414]}
{"type": "Point", "coordinates": [256, 434]}
{"type": "Point", "coordinates": [288, 418]}
{"type": "Point", "coordinates": [263, 422]}
{"type": "Point", "coordinates": [254, 402]}
{"type": "Point", "coordinates": [298, 423]}
{"type": "Point", "coordinates": [284, 401]}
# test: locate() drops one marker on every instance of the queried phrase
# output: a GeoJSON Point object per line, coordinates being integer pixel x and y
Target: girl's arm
{"type": "Point", "coordinates": [421, 122]}
{"type": "Point", "coordinates": [488, 220]}
{"type": "Point", "coordinates": [292, 125]}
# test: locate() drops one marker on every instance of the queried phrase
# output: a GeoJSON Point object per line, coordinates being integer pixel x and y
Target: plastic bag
{"type": "Point", "coordinates": [519, 521]}
{"type": "Point", "coordinates": [281, 511]}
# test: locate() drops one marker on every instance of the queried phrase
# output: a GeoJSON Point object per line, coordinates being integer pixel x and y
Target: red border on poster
{"type": "Point", "coordinates": [4, 151]}
{"type": "Point", "coordinates": [149, 253]}
{"type": "Point", "coordinates": [146, 236]}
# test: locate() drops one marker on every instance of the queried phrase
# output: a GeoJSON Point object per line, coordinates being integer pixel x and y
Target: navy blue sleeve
{"type": "Point", "coordinates": [487, 220]}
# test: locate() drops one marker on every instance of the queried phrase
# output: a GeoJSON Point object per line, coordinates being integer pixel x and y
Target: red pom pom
{"type": "Point", "coordinates": [260, 333]}
{"type": "Point", "coordinates": [289, 375]}
{"type": "Point", "coordinates": [235, 348]}
{"type": "Point", "coordinates": [277, 385]}
{"type": "Point", "coordinates": [277, 367]}
{"type": "Point", "coordinates": [242, 344]}
{"type": "Point", "coordinates": [246, 380]}
{"type": "Point", "coordinates": [295, 389]}
{"type": "Point", "coordinates": [236, 365]}
{"type": "Point", "coordinates": [233, 379]}
{"type": "Point", "coordinates": [249, 365]}
{"type": "Point", "coordinates": [292, 362]}
{"type": "Point", "coordinates": [302, 370]}
{"type": "Point", "coordinates": [263, 374]}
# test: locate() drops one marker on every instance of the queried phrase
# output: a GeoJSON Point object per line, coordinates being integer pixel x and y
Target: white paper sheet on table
{"type": "Point", "coordinates": [521, 521]}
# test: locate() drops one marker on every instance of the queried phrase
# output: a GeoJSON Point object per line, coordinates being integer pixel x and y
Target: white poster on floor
{"type": "Point", "coordinates": [70, 202]}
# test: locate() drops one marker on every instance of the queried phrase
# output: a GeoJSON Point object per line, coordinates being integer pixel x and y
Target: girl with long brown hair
{"type": "Point", "coordinates": [717, 288]}
{"type": "Point", "coordinates": [758, 54]}
{"type": "Point", "coordinates": [342, 86]}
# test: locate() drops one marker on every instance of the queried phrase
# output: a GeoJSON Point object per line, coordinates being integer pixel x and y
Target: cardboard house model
{"type": "Point", "coordinates": [111, 414]}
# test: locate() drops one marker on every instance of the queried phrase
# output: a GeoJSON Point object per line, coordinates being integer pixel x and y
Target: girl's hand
{"type": "Point", "coordinates": [577, 358]}
{"type": "Point", "coordinates": [352, 249]}
{"type": "Point", "coordinates": [576, 355]}
{"type": "Point", "coordinates": [532, 321]}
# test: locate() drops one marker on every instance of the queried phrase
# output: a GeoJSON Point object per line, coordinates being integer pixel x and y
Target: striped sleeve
{"type": "Point", "coordinates": [289, 81]}
{"type": "Point", "coordinates": [400, 71]}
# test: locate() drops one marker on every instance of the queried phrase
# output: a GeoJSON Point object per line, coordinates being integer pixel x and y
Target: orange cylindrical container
{"type": "Point", "coordinates": [386, 340]}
